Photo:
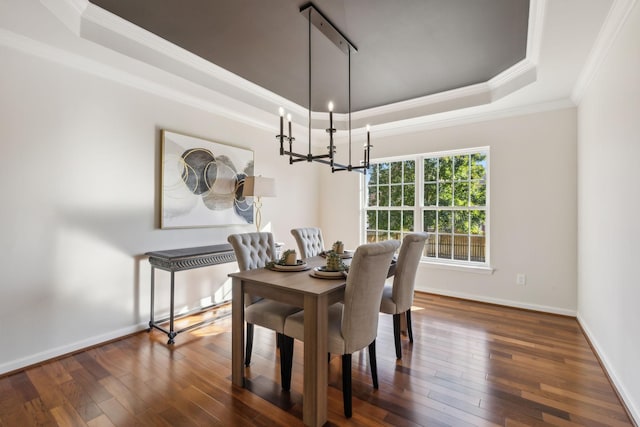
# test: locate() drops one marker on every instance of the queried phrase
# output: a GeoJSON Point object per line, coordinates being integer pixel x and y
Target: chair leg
{"type": "Point", "coordinates": [396, 335]}
{"type": "Point", "coordinates": [409, 330]}
{"type": "Point", "coordinates": [346, 384]}
{"type": "Point", "coordinates": [286, 361]}
{"type": "Point", "coordinates": [247, 357]}
{"type": "Point", "coordinates": [373, 363]}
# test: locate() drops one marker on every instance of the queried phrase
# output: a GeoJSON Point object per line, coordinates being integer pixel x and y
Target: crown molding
{"type": "Point", "coordinates": [477, 114]}
{"type": "Point", "coordinates": [447, 119]}
{"type": "Point", "coordinates": [613, 23]}
{"type": "Point", "coordinates": [68, 11]}
{"type": "Point", "coordinates": [95, 24]}
{"type": "Point", "coordinates": [537, 10]}
{"type": "Point", "coordinates": [206, 100]}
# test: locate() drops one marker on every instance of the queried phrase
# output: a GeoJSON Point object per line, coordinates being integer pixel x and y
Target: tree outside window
{"type": "Point", "coordinates": [444, 194]}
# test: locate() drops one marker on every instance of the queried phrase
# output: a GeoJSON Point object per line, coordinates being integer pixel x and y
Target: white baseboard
{"type": "Point", "coordinates": [53, 353]}
{"type": "Point", "coordinates": [624, 395]}
{"type": "Point", "coordinates": [498, 301]}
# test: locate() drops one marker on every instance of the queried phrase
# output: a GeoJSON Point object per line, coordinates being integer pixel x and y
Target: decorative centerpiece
{"type": "Point", "coordinates": [334, 262]}
{"type": "Point", "coordinates": [289, 257]}
{"type": "Point", "coordinates": [288, 261]}
{"type": "Point", "coordinates": [338, 247]}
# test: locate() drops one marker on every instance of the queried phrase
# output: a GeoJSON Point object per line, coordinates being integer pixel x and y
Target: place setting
{"type": "Point", "coordinates": [338, 248]}
{"type": "Point", "coordinates": [288, 262]}
{"type": "Point", "coordinates": [335, 268]}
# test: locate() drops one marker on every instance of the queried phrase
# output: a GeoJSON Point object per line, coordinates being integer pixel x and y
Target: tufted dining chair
{"type": "Point", "coordinates": [397, 296]}
{"type": "Point", "coordinates": [353, 324]}
{"type": "Point", "coordinates": [255, 250]}
{"type": "Point", "coordinates": [309, 240]}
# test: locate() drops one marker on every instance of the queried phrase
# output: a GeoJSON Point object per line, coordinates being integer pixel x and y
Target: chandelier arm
{"type": "Point", "coordinates": [340, 167]}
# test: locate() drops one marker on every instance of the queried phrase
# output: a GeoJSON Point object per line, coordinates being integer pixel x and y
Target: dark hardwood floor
{"type": "Point", "coordinates": [471, 364]}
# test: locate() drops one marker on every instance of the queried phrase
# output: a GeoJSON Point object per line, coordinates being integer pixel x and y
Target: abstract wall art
{"type": "Point", "coordinates": [202, 183]}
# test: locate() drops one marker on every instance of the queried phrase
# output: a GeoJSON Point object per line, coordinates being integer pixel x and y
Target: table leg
{"type": "Point", "coordinates": [153, 287]}
{"type": "Point", "coordinates": [172, 334]}
{"type": "Point", "coordinates": [314, 405]}
{"type": "Point", "coordinates": [237, 333]}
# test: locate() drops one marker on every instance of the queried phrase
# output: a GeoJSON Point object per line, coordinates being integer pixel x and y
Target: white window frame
{"type": "Point", "coordinates": [419, 207]}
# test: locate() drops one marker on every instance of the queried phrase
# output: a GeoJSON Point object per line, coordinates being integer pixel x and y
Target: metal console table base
{"type": "Point", "coordinates": [178, 260]}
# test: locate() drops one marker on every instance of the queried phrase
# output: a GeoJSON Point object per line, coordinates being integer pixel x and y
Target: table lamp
{"type": "Point", "coordinates": [258, 187]}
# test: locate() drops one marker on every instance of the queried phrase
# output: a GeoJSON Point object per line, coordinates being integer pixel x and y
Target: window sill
{"type": "Point", "coordinates": [478, 269]}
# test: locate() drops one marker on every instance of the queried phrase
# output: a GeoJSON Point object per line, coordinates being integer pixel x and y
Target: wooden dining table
{"type": "Point", "coordinates": [314, 296]}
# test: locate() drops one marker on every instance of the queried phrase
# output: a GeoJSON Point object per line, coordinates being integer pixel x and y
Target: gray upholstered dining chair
{"type": "Point", "coordinates": [353, 324]}
{"type": "Point", "coordinates": [255, 250]}
{"type": "Point", "coordinates": [397, 296]}
{"type": "Point", "coordinates": [309, 240]}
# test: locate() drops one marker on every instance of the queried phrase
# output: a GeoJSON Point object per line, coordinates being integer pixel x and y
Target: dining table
{"type": "Point", "coordinates": [301, 289]}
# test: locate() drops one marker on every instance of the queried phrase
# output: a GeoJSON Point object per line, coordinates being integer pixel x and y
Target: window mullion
{"type": "Point", "coordinates": [418, 204]}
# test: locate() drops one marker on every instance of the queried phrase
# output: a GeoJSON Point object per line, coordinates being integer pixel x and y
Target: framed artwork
{"type": "Point", "coordinates": [202, 183]}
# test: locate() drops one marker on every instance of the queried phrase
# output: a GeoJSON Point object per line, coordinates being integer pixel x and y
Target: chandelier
{"type": "Point", "coordinates": [325, 26]}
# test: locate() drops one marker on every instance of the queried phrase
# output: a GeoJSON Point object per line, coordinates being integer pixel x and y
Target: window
{"type": "Point", "coordinates": [445, 194]}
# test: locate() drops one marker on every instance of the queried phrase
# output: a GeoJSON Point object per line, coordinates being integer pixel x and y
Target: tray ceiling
{"type": "Point", "coordinates": [406, 50]}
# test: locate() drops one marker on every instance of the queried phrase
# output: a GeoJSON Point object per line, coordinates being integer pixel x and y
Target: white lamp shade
{"type": "Point", "coordinates": [259, 186]}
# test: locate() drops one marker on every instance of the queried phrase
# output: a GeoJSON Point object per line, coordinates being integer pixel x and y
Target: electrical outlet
{"type": "Point", "coordinates": [521, 279]}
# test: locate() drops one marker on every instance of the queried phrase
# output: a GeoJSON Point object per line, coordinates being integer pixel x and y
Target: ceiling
{"type": "Point", "coordinates": [407, 49]}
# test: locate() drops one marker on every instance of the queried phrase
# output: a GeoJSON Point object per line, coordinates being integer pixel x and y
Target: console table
{"type": "Point", "coordinates": [178, 260]}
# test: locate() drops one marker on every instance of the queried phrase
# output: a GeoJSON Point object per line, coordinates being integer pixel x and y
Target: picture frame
{"type": "Point", "coordinates": [202, 183]}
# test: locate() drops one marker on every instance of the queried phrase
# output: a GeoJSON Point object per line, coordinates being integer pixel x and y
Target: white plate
{"type": "Point", "coordinates": [313, 274]}
{"type": "Point", "coordinates": [321, 272]}
{"type": "Point", "coordinates": [300, 266]}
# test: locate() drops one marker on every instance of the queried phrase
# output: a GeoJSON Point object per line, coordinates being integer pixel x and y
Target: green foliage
{"type": "Point", "coordinates": [455, 181]}
{"type": "Point", "coordinates": [409, 195]}
{"type": "Point", "coordinates": [407, 221]}
{"type": "Point", "coordinates": [383, 195]}
{"type": "Point", "coordinates": [391, 184]}
{"type": "Point", "coordinates": [334, 262]}
{"type": "Point", "coordinates": [430, 170]}
{"type": "Point", "coordinates": [445, 193]}
{"type": "Point", "coordinates": [395, 220]}
{"type": "Point", "coordinates": [396, 172]}
{"type": "Point", "coordinates": [383, 178]}
{"type": "Point", "coordinates": [371, 219]}
{"type": "Point", "coordinates": [286, 253]}
{"type": "Point", "coordinates": [383, 220]}
{"type": "Point", "coordinates": [396, 195]}
{"type": "Point", "coordinates": [409, 171]}
{"type": "Point", "coordinates": [429, 221]}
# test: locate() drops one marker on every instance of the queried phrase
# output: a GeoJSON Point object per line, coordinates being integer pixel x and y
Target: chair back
{"type": "Point", "coordinates": [406, 268]}
{"type": "Point", "coordinates": [309, 240]}
{"type": "Point", "coordinates": [253, 250]}
{"type": "Point", "coordinates": [363, 292]}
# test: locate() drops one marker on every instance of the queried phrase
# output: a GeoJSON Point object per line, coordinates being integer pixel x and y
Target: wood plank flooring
{"type": "Point", "coordinates": [471, 364]}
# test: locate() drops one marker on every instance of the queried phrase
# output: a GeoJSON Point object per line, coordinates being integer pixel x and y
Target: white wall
{"type": "Point", "coordinates": [608, 206]}
{"type": "Point", "coordinates": [532, 211]}
{"type": "Point", "coordinates": [79, 178]}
